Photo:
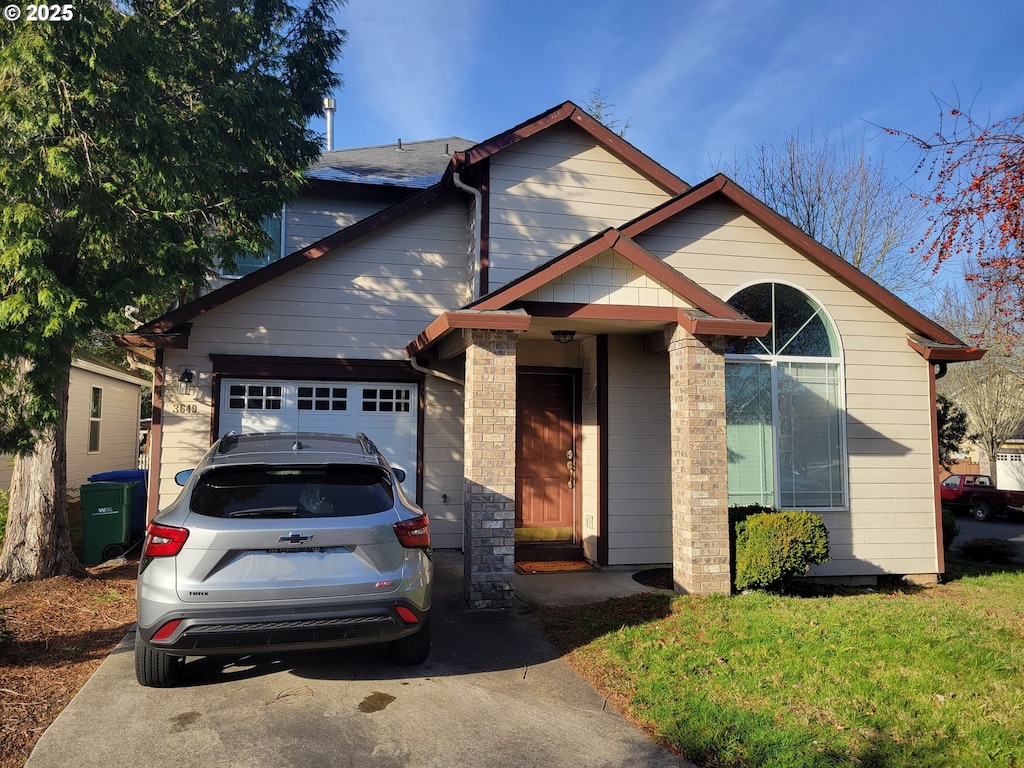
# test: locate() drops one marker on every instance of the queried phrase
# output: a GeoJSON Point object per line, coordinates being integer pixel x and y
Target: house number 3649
{"type": "Point", "coordinates": [184, 408]}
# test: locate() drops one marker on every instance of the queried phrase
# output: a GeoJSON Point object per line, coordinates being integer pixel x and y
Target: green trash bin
{"type": "Point", "coordinates": [106, 520]}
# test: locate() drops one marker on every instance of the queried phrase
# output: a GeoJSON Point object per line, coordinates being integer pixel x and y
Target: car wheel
{"type": "Point", "coordinates": [981, 510]}
{"type": "Point", "coordinates": [411, 649]}
{"type": "Point", "coordinates": [156, 669]}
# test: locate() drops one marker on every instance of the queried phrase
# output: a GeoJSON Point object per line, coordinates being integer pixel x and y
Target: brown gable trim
{"type": "Point", "coordinates": [696, 322]}
{"type": "Point", "coordinates": [614, 312]}
{"type": "Point", "coordinates": [543, 274]}
{"type": "Point", "coordinates": [612, 239]}
{"type": "Point", "coordinates": [675, 281]}
{"type": "Point", "coordinates": [700, 324]}
{"type": "Point", "coordinates": [293, 260]}
{"type": "Point", "coordinates": [515, 320]}
{"type": "Point", "coordinates": [948, 353]}
{"type": "Point", "coordinates": [315, 368]}
{"type": "Point", "coordinates": [177, 338]}
{"type": "Point", "coordinates": [670, 208]}
{"type": "Point", "coordinates": [788, 232]}
{"type": "Point", "coordinates": [569, 111]}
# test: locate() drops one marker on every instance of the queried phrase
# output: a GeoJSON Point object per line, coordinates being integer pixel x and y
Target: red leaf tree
{"type": "Point", "coordinates": [976, 172]}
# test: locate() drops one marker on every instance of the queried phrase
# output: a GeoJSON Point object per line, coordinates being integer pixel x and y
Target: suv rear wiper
{"type": "Point", "coordinates": [266, 512]}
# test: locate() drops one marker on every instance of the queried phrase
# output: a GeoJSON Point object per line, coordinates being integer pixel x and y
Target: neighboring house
{"type": "Point", "coordinates": [1009, 464]}
{"type": "Point", "coordinates": [573, 352]}
{"type": "Point", "coordinates": [103, 422]}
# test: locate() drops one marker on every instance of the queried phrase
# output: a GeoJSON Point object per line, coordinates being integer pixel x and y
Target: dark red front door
{"type": "Point", "coordinates": [546, 461]}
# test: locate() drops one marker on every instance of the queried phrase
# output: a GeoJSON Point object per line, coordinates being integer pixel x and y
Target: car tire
{"type": "Point", "coordinates": [981, 510]}
{"type": "Point", "coordinates": [156, 669]}
{"type": "Point", "coordinates": [411, 649]}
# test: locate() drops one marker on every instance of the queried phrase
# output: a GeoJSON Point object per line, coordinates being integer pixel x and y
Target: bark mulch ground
{"type": "Point", "coordinates": [54, 633]}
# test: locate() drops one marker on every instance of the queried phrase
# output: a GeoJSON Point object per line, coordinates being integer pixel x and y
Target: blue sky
{"type": "Point", "coordinates": [701, 82]}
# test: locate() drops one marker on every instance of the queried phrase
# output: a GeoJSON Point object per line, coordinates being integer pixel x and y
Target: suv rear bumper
{"type": "Point", "coordinates": [232, 632]}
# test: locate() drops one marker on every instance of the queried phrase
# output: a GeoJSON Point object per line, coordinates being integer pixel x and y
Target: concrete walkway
{"type": "Point", "coordinates": [493, 695]}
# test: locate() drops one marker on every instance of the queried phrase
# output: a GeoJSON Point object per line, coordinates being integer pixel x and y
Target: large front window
{"type": "Point", "coordinates": [784, 405]}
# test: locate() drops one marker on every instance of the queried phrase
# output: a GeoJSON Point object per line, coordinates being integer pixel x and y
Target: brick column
{"type": "Point", "coordinates": [700, 491]}
{"type": "Point", "coordinates": [490, 468]}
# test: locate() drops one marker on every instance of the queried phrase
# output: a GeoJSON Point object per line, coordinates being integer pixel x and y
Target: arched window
{"type": "Point", "coordinates": [784, 404]}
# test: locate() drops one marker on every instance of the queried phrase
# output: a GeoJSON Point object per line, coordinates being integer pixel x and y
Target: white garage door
{"type": "Point", "coordinates": [386, 412]}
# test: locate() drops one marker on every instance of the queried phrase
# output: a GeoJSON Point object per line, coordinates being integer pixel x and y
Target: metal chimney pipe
{"type": "Point", "coordinates": [329, 108]}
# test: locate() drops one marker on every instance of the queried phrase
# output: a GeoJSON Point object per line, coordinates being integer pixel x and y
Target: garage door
{"type": "Point", "coordinates": [386, 412]}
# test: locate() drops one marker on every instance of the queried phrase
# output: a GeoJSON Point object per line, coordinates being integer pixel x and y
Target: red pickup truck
{"type": "Point", "coordinates": [978, 495]}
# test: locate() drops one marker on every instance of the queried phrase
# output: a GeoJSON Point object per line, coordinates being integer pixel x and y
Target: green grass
{"type": "Point", "coordinates": [894, 678]}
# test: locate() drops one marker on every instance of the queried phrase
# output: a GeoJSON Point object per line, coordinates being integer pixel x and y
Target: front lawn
{"type": "Point", "coordinates": [894, 677]}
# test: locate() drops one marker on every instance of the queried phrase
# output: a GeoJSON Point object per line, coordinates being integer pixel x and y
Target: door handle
{"type": "Point", "coordinates": [571, 466]}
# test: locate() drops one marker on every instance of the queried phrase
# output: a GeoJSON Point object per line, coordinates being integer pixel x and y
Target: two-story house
{"type": "Point", "coordinates": [571, 351]}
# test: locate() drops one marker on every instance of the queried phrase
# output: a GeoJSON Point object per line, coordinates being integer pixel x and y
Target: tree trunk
{"type": "Point", "coordinates": [37, 544]}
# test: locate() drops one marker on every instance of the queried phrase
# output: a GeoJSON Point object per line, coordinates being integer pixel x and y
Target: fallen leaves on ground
{"type": "Point", "coordinates": [54, 633]}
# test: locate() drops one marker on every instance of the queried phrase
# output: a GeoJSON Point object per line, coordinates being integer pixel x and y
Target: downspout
{"type": "Point", "coordinates": [437, 374]}
{"type": "Point", "coordinates": [444, 376]}
{"type": "Point", "coordinates": [477, 288]}
{"type": "Point", "coordinates": [477, 225]}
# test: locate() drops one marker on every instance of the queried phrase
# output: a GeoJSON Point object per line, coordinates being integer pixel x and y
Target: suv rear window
{"type": "Point", "coordinates": [331, 491]}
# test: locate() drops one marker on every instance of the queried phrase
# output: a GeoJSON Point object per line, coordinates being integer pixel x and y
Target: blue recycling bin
{"type": "Point", "coordinates": [138, 500]}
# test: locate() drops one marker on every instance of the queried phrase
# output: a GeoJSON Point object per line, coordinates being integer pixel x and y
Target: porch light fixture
{"type": "Point", "coordinates": [563, 337]}
{"type": "Point", "coordinates": [185, 379]}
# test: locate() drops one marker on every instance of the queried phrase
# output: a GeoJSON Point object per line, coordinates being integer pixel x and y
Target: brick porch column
{"type": "Point", "coordinates": [700, 492]}
{"type": "Point", "coordinates": [490, 468]}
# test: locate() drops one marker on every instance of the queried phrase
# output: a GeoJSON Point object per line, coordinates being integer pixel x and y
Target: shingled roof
{"type": "Point", "coordinates": [414, 164]}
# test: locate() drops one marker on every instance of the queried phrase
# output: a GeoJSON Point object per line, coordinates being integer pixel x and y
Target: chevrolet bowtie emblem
{"type": "Point", "coordinates": [297, 538]}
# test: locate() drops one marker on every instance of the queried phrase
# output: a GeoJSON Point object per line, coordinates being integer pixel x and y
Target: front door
{"type": "Point", "coordinates": [546, 458]}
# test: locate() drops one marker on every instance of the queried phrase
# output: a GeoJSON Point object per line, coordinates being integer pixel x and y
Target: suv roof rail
{"type": "Point", "coordinates": [366, 444]}
{"type": "Point", "coordinates": [227, 442]}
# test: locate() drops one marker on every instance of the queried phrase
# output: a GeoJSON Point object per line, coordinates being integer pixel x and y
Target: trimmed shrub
{"type": "Point", "coordinates": [950, 529]}
{"type": "Point", "coordinates": [737, 515]}
{"type": "Point", "coordinates": [774, 548]}
{"type": "Point", "coordinates": [988, 551]}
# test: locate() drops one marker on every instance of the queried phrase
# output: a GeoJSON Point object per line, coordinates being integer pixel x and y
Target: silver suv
{"type": "Point", "coordinates": [284, 542]}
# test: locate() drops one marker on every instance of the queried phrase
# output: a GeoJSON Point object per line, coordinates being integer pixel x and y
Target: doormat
{"type": "Point", "coordinates": [552, 566]}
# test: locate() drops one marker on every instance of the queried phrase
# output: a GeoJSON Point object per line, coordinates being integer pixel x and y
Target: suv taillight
{"type": "Point", "coordinates": [414, 533]}
{"type": "Point", "coordinates": [164, 540]}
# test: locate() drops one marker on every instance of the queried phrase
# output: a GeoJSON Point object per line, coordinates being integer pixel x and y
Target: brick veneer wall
{"type": "Point", "coordinates": [700, 492]}
{"type": "Point", "coordinates": [490, 462]}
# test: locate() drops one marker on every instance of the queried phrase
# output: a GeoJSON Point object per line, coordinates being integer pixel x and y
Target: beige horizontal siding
{"type": "Point", "coordinates": [442, 461]}
{"type": "Point", "coordinates": [367, 300]}
{"type": "Point", "coordinates": [314, 218]}
{"type": "Point", "coordinates": [607, 279]}
{"type": "Point", "coordinates": [551, 192]}
{"type": "Point", "coordinates": [119, 429]}
{"type": "Point", "coordinates": [639, 481]}
{"type": "Point", "coordinates": [888, 424]}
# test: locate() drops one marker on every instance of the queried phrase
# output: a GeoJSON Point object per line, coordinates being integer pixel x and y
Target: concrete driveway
{"type": "Point", "coordinates": [493, 694]}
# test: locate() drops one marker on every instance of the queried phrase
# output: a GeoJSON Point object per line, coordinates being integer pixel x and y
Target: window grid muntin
{"type": "Point", "coordinates": [321, 397]}
{"type": "Point", "coordinates": [387, 399]}
{"type": "Point", "coordinates": [773, 360]}
{"type": "Point", "coordinates": [256, 396]}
